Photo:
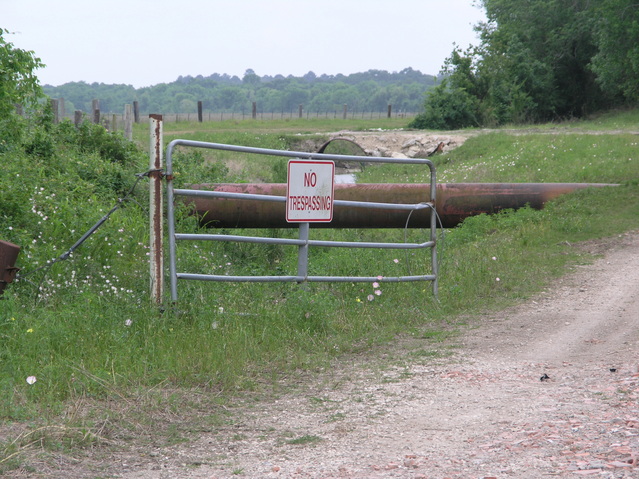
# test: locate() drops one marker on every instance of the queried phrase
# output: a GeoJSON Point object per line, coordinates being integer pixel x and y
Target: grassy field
{"type": "Point", "coordinates": [81, 345]}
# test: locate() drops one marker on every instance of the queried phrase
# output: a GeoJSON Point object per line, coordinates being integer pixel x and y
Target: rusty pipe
{"type": "Point", "coordinates": [454, 203]}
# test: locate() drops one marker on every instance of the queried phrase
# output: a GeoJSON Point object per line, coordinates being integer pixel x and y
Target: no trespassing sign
{"type": "Point", "coordinates": [309, 191]}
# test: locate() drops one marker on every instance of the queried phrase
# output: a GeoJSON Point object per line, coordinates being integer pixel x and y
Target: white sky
{"type": "Point", "coordinates": [146, 42]}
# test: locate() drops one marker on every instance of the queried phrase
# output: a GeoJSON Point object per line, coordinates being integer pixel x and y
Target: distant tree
{"type": "Point", "coordinates": [310, 77]}
{"type": "Point", "coordinates": [250, 78]}
{"type": "Point", "coordinates": [366, 91]}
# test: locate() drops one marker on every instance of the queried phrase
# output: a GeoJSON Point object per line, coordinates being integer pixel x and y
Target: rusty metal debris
{"type": "Point", "coordinates": [8, 256]}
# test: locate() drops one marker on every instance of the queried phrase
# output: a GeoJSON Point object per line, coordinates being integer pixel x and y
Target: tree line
{"type": "Point", "coordinates": [540, 60]}
{"type": "Point", "coordinates": [369, 91]}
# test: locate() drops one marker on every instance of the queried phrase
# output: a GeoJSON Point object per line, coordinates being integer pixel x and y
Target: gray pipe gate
{"type": "Point", "coordinates": [303, 243]}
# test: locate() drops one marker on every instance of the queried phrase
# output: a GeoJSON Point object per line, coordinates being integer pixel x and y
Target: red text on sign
{"type": "Point", "coordinates": [310, 179]}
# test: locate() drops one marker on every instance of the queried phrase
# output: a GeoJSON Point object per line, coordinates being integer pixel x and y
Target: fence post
{"type": "Point", "coordinates": [254, 111]}
{"type": "Point", "coordinates": [199, 111]}
{"type": "Point", "coordinates": [300, 112]}
{"type": "Point", "coordinates": [345, 110]}
{"type": "Point", "coordinates": [390, 109]}
{"type": "Point", "coordinates": [77, 118]}
{"type": "Point", "coordinates": [156, 212]}
{"type": "Point", "coordinates": [55, 110]}
{"type": "Point", "coordinates": [136, 111]}
{"type": "Point", "coordinates": [128, 122]}
{"type": "Point", "coordinates": [96, 111]}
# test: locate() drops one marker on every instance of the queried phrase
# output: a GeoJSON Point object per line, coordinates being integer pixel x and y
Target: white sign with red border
{"type": "Point", "coordinates": [310, 191]}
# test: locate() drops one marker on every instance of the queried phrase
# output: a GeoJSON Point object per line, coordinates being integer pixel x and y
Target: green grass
{"type": "Point", "coordinates": [304, 440]}
{"type": "Point", "coordinates": [503, 157]}
{"type": "Point", "coordinates": [86, 329]}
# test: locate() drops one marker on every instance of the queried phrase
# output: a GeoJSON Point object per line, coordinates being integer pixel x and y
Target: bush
{"type": "Point", "coordinates": [92, 138]}
{"type": "Point", "coordinates": [447, 108]}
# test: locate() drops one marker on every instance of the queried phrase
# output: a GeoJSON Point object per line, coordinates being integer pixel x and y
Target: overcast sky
{"type": "Point", "coordinates": [146, 42]}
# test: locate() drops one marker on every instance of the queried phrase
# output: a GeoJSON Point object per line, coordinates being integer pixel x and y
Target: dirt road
{"type": "Point", "coordinates": [546, 389]}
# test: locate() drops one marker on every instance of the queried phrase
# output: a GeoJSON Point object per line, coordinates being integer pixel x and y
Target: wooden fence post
{"type": "Point", "coordinates": [345, 110]}
{"type": "Point", "coordinates": [96, 111]}
{"type": "Point", "coordinates": [77, 118]}
{"type": "Point", "coordinates": [390, 109]}
{"type": "Point", "coordinates": [128, 122]}
{"type": "Point", "coordinates": [300, 111]}
{"type": "Point", "coordinates": [54, 109]}
{"type": "Point", "coordinates": [136, 111]}
{"type": "Point", "coordinates": [199, 111]}
{"type": "Point", "coordinates": [254, 111]}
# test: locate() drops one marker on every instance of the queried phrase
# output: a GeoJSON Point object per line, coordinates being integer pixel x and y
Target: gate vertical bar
{"type": "Point", "coordinates": [156, 212]}
{"type": "Point", "coordinates": [433, 230]}
{"type": "Point", "coordinates": [170, 219]}
{"type": "Point", "coordinates": [302, 255]}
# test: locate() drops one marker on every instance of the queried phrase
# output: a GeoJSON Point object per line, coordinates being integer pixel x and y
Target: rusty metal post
{"type": "Point", "coordinates": [156, 209]}
{"type": "Point", "coordinates": [8, 255]}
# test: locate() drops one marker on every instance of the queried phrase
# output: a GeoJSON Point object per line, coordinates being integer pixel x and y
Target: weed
{"type": "Point", "coordinates": [304, 440]}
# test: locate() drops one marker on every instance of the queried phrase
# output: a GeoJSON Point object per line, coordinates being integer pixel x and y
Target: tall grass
{"type": "Point", "coordinates": [85, 328]}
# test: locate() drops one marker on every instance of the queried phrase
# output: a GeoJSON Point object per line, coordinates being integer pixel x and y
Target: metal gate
{"type": "Point", "coordinates": [303, 243]}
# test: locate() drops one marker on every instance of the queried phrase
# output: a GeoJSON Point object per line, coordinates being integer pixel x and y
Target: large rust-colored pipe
{"type": "Point", "coordinates": [454, 203]}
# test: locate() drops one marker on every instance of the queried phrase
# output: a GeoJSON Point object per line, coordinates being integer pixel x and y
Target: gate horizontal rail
{"type": "Point", "coordinates": [303, 243]}
{"type": "Point", "coordinates": [300, 242]}
{"type": "Point", "coordinates": [282, 199]}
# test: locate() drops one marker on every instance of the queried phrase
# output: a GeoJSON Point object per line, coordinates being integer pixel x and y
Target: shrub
{"type": "Point", "coordinates": [447, 108]}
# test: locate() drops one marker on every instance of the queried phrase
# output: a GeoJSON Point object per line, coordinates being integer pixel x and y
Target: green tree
{"type": "Point", "coordinates": [534, 62]}
{"type": "Point", "coordinates": [617, 61]}
{"type": "Point", "coordinates": [541, 49]}
{"type": "Point", "coordinates": [18, 86]}
{"type": "Point", "coordinates": [447, 108]}
{"type": "Point", "coordinates": [456, 101]}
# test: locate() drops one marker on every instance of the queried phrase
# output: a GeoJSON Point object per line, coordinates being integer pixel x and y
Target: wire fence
{"type": "Point", "coordinates": [131, 114]}
{"type": "Point", "coordinates": [263, 116]}
{"type": "Point", "coordinates": [280, 115]}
